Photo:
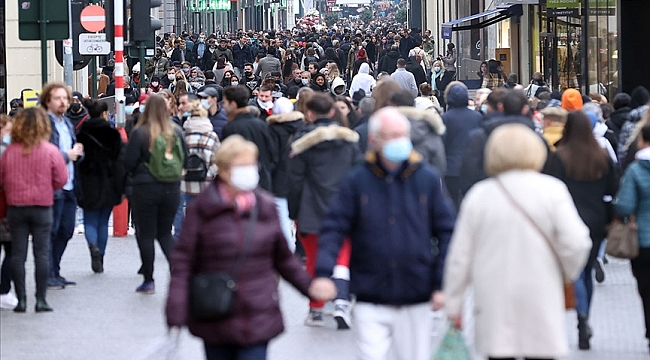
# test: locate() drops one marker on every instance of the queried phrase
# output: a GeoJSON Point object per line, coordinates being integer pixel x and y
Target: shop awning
{"type": "Point", "coordinates": [485, 18]}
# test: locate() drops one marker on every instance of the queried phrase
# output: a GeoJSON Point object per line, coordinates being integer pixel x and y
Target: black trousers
{"type": "Point", "coordinates": [37, 221]}
{"type": "Point", "coordinates": [5, 269]}
{"type": "Point", "coordinates": [641, 271]}
{"type": "Point", "coordinates": [154, 208]}
{"type": "Point", "coordinates": [453, 186]}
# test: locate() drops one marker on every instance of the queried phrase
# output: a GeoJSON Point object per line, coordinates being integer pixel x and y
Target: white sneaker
{"type": "Point", "coordinates": [342, 314]}
{"type": "Point", "coordinates": [315, 318]}
{"type": "Point", "coordinates": [8, 301]}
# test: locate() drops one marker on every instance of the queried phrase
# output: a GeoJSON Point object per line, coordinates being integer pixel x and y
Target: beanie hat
{"type": "Point", "coordinates": [282, 106]}
{"type": "Point", "coordinates": [571, 100]}
{"type": "Point", "coordinates": [593, 119]}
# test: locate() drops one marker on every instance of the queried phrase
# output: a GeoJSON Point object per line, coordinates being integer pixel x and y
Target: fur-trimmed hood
{"type": "Point", "coordinates": [283, 118]}
{"type": "Point", "coordinates": [323, 134]}
{"type": "Point", "coordinates": [429, 116]}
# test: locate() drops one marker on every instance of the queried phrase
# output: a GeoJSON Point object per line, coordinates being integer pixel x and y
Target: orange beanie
{"type": "Point", "coordinates": [571, 100]}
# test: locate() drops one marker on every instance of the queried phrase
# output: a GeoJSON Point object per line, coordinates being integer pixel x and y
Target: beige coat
{"type": "Point", "coordinates": [518, 287]}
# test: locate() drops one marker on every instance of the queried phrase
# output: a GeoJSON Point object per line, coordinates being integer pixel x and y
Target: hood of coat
{"type": "Point", "coordinates": [423, 122]}
{"type": "Point", "coordinates": [619, 116]}
{"type": "Point", "coordinates": [336, 83]}
{"type": "Point", "coordinates": [599, 129]}
{"type": "Point", "coordinates": [637, 114]}
{"type": "Point", "coordinates": [197, 124]}
{"type": "Point", "coordinates": [284, 118]}
{"type": "Point", "coordinates": [640, 96]}
{"type": "Point", "coordinates": [364, 68]}
{"type": "Point", "coordinates": [412, 61]}
{"type": "Point", "coordinates": [457, 96]}
{"type": "Point", "coordinates": [323, 134]}
{"type": "Point", "coordinates": [393, 54]}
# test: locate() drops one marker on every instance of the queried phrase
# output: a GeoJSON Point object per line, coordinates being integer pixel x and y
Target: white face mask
{"type": "Point", "coordinates": [305, 81]}
{"type": "Point", "coordinates": [244, 178]}
{"type": "Point", "coordinates": [265, 105]}
{"type": "Point", "coordinates": [171, 76]}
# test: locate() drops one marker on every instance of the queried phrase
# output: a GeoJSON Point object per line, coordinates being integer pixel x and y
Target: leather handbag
{"type": "Point", "coordinates": [569, 288]}
{"type": "Point", "coordinates": [212, 295]}
{"type": "Point", "coordinates": [623, 240]}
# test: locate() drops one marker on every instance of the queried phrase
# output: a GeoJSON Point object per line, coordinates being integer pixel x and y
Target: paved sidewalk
{"type": "Point", "coordinates": [104, 319]}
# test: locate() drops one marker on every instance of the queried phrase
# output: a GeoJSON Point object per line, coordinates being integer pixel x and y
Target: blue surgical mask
{"type": "Point", "coordinates": [234, 83]}
{"type": "Point", "coordinates": [141, 108]}
{"type": "Point", "coordinates": [436, 69]}
{"type": "Point", "coordinates": [129, 109]}
{"type": "Point", "coordinates": [6, 139]}
{"type": "Point", "coordinates": [187, 114]}
{"type": "Point", "coordinates": [205, 103]}
{"type": "Point", "coordinates": [397, 150]}
{"type": "Point", "coordinates": [305, 81]}
{"type": "Point", "coordinates": [484, 109]}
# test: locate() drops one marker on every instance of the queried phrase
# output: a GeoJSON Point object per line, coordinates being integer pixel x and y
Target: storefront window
{"type": "Point", "coordinates": [603, 53]}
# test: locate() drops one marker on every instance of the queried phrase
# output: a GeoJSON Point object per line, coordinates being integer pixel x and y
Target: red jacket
{"type": "Point", "coordinates": [213, 234]}
{"type": "Point", "coordinates": [30, 180]}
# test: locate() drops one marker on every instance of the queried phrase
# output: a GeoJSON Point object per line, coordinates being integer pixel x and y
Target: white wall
{"type": "Point", "coordinates": [24, 58]}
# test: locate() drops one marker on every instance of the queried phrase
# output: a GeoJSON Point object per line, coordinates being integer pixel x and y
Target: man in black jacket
{"type": "Point", "coordinates": [320, 157]}
{"type": "Point", "coordinates": [251, 128]}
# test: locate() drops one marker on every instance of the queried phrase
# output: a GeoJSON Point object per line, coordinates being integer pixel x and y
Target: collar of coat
{"type": "Point", "coordinates": [283, 118]}
{"type": "Point", "coordinates": [408, 168]}
{"type": "Point", "coordinates": [322, 134]}
{"type": "Point", "coordinates": [431, 117]}
{"type": "Point", "coordinates": [243, 110]}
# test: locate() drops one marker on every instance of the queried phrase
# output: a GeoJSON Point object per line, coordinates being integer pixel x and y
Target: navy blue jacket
{"type": "Point", "coordinates": [391, 221]}
{"type": "Point", "coordinates": [459, 121]}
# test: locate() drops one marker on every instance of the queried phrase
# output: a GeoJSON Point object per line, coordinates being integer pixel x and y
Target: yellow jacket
{"type": "Point", "coordinates": [553, 134]}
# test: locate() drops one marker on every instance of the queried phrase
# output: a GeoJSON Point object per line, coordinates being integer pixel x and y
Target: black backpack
{"type": "Point", "coordinates": [196, 168]}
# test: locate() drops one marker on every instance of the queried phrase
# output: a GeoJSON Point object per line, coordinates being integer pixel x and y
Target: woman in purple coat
{"type": "Point", "coordinates": [212, 239]}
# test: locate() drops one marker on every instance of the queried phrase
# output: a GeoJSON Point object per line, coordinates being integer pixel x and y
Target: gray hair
{"type": "Point", "coordinates": [387, 113]}
{"type": "Point", "coordinates": [367, 105]}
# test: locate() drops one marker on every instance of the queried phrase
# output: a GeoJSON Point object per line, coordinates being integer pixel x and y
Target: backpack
{"type": "Point", "coordinates": [196, 168]}
{"type": "Point", "coordinates": [166, 166]}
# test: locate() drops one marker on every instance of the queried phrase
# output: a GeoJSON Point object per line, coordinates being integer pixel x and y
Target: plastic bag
{"type": "Point", "coordinates": [452, 347]}
{"type": "Point", "coordinates": [165, 348]}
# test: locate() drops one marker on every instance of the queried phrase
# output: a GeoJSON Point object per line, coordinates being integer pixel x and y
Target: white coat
{"type": "Point", "coordinates": [517, 281]}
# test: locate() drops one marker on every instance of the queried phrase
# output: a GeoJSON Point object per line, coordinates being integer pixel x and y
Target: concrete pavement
{"type": "Point", "coordinates": [103, 318]}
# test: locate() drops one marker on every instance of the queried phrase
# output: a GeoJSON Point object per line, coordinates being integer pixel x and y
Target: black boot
{"type": "Point", "coordinates": [42, 306]}
{"type": "Point", "coordinates": [22, 304]}
{"type": "Point", "coordinates": [101, 262]}
{"type": "Point", "coordinates": [95, 259]}
{"type": "Point", "coordinates": [584, 332]}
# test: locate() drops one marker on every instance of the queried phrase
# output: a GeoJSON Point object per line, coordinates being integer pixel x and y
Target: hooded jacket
{"type": "Point", "coordinates": [336, 83]}
{"type": "Point", "coordinates": [388, 62]}
{"type": "Point", "coordinates": [319, 159]}
{"type": "Point", "coordinates": [460, 122]}
{"type": "Point", "coordinates": [101, 175]}
{"type": "Point", "coordinates": [76, 118]}
{"type": "Point", "coordinates": [363, 80]}
{"type": "Point", "coordinates": [283, 129]}
{"type": "Point", "coordinates": [414, 67]}
{"type": "Point", "coordinates": [634, 195]}
{"type": "Point", "coordinates": [427, 129]}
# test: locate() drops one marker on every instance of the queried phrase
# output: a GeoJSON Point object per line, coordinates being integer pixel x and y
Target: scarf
{"type": "Point", "coordinates": [196, 124]}
{"type": "Point", "coordinates": [643, 154]}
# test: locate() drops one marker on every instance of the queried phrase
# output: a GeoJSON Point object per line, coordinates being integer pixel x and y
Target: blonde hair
{"type": "Point", "coordinates": [514, 147]}
{"type": "Point", "coordinates": [156, 120]}
{"type": "Point", "coordinates": [30, 127]}
{"type": "Point", "coordinates": [231, 147]}
{"type": "Point", "coordinates": [196, 109]}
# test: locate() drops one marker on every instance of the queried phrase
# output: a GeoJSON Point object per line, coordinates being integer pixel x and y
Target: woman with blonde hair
{"type": "Point", "coordinates": [155, 198]}
{"type": "Point", "coordinates": [31, 169]}
{"type": "Point", "coordinates": [234, 228]}
{"type": "Point", "coordinates": [333, 72]}
{"type": "Point", "coordinates": [517, 239]}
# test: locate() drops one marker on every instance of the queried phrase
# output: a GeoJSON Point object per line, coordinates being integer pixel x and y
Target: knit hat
{"type": "Point", "coordinates": [571, 100]}
{"type": "Point", "coordinates": [361, 54]}
{"type": "Point", "coordinates": [282, 106]}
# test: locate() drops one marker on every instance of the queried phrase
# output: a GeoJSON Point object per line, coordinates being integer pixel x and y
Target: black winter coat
{"type": "Point", "coordinates": [320, 157]}
{"type": "Point", "coordinates": [416, 69]}
{"type": "Point", "coordinates": [617, 119]}
{"type": "Point", "coordinates": [101, 175]}
{"type": "Point", "coordinates": [253, 129]}
{"type": "Point", "coordinates": [283, 130]}
{"type": "Point", "coordinates": [388, 62]}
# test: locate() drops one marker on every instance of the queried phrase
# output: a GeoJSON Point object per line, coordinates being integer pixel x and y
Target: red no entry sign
{"type": "Point", "coordinates": [93, 18]}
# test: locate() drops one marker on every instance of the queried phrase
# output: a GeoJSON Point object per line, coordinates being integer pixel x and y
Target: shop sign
{"type": "Point", "coordinates": [602, 11]}
{"type": "Point", "coordinates": [554, 4]}
{"type": "Point", "coordinates": [562, 12]}
{"type": "Point", "coordinates": [602, 3]}
{"type": "Point", "coordinates": [446, 32]}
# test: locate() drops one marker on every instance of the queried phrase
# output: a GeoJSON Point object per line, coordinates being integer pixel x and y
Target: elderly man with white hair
{"type": "Point", "coordinates": [390, 207]}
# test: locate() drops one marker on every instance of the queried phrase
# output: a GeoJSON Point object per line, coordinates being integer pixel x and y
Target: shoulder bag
{"type": "Point", "coordinates": [569, 289]}
{"type": "Point", "coordinates": [623, 239]}
{"type": "Point", "coordinates": [212, 295]}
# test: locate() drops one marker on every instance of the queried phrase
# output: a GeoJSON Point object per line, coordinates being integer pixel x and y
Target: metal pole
{"type": "Point", "coordinates": [142, 48]}
{"type": "Point", "coordinates": [68, 57]}
{"type": "Point", "coordinates": [93, 64]}
{"type": "Point", "coordinates": [584, 47]}
{"type": "Point", "coordinates": [43, 36]}
{"type": "Point", "coordinates": [120, 117]}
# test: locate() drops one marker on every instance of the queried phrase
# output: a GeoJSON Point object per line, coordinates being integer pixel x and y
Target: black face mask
{"type": "Point", "coordinates": [248, 73]}
{"type": "Point", "coordinates": [75, 107]}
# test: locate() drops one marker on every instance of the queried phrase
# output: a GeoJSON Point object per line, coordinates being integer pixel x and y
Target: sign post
{"type": "Point", "coordinates": [94, 44]}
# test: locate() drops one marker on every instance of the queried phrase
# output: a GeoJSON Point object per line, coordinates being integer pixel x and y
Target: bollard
{"type": "Point", "coordinates": [121, 211]}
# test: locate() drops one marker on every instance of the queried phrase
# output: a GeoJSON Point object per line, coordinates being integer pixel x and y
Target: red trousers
{"type": "Point", "coordinates": [310, 244]}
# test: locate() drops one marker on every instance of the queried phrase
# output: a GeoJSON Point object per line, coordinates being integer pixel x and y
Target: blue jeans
{"type": "Point", "coordinates": [96, 227]}
{"type": "Point", "coordinates": [235, 352]}
{"type": "Point", "coordinates": [186, 199]}
{"type": "Point", "coordinates": [64, 211]}
{"type": "Point", "coordinates": [584, 286]}
{"type": "Point", "coordinates": [285, 223]}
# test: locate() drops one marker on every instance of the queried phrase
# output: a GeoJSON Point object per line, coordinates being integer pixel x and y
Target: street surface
{"type": "Point", "coordinates": [103, 318]}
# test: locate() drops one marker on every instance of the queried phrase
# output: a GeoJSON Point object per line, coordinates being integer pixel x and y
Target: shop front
{"type": "Point", "coordinates": [208, 16]}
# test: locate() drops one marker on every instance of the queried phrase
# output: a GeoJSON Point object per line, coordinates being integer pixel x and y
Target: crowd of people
{"type": "Point", "coordinates": [370, 147]}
